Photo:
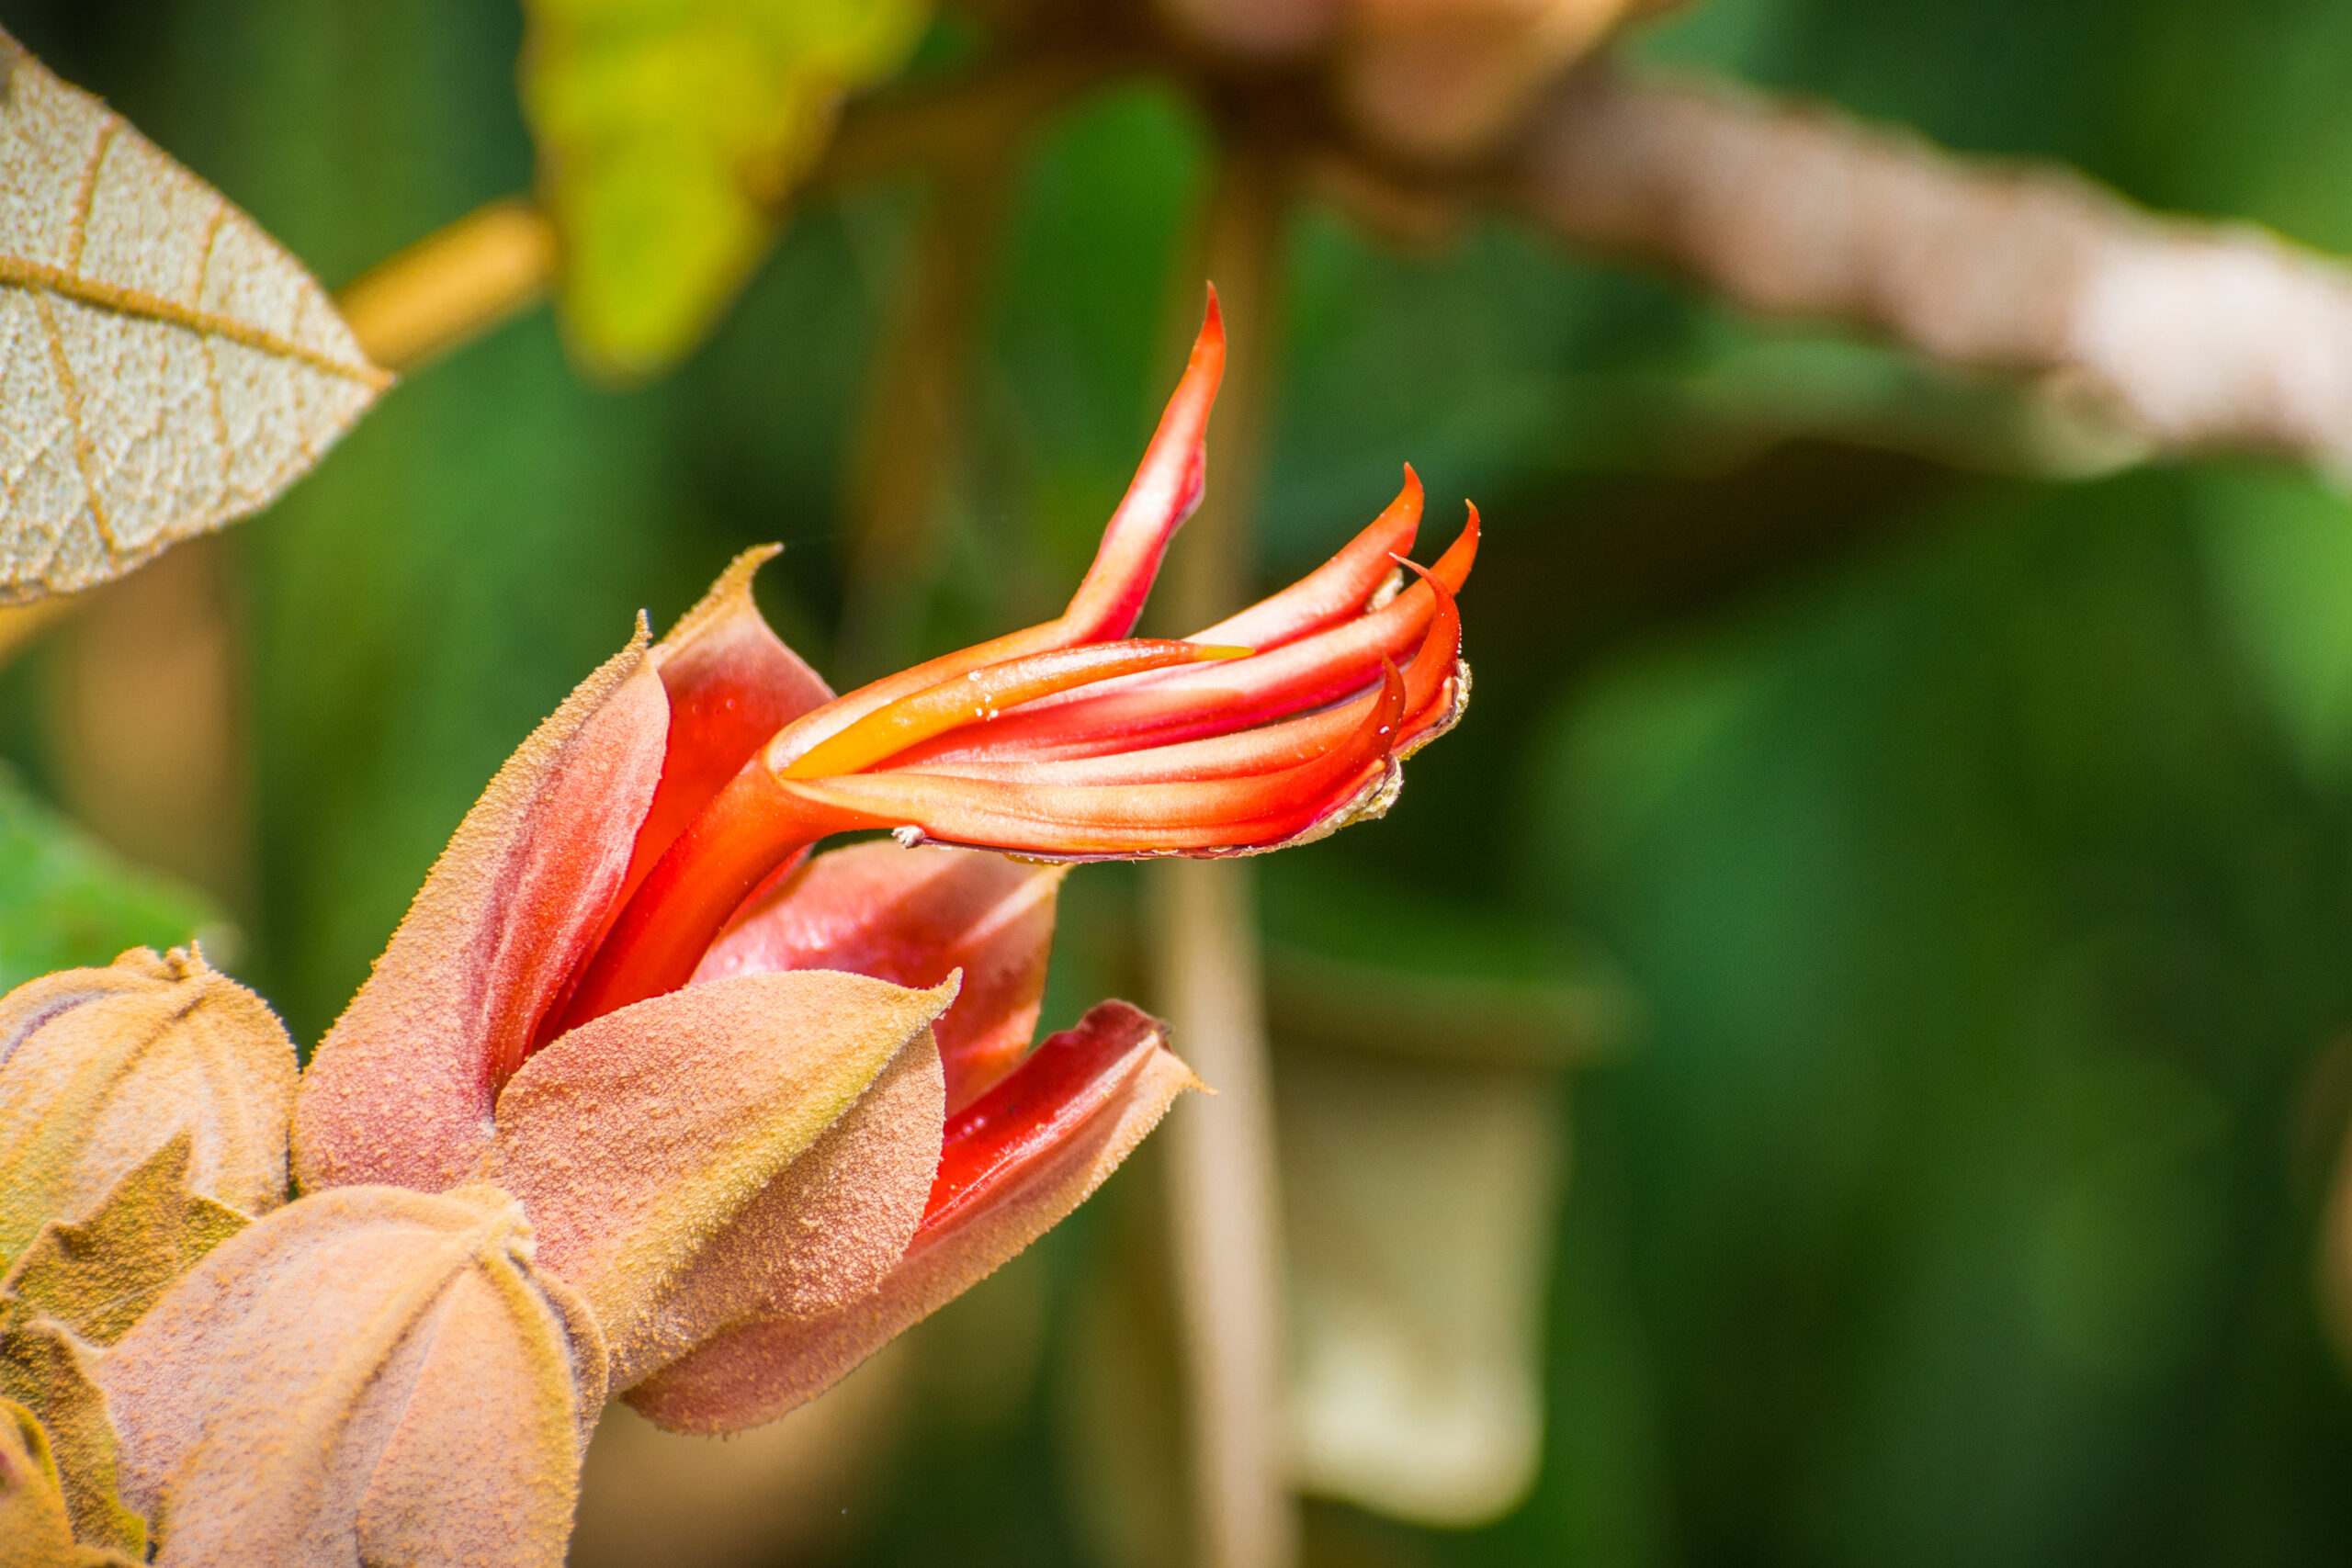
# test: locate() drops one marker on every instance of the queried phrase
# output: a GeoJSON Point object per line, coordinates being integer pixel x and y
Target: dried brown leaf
{"type": "Point", "coordinates": [99, 1069]}
{"type": "Point", "coordinates": [165, 368]}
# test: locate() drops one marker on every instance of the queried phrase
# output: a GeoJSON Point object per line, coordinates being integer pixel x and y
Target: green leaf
{"type": "Point", "coordinates": [2277, 548]}
{"type": "Point", "coordinates": [670, 133]}
{"type": "Point", "coordinates": [66, 903]}
{"type": "Point", "coordinates": [98, 1276]}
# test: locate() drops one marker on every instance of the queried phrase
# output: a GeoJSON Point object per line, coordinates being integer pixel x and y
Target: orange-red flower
{"type": "Point", "coordinates": [623, 928]}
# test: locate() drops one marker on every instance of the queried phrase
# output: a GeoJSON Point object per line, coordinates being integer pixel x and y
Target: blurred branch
{"type": "Point", "coordinates": [1226, 1210]}
{"type": "Point", "coordinates": [2198, 335]}
{"type": "Point", "coordinates": [452, 286]}
{"type": "Point", "coordinates": [1313, 999]}
{"type": "Point", "coordinates": [912, 439]}
{"type": "Point", "coordinates": [146, 727]}
{"type": "Point", "coordinates": [927, 128]}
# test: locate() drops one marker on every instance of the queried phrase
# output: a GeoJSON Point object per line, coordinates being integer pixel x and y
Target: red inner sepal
{"type": "Point", "coordinates": [1041, 1104]}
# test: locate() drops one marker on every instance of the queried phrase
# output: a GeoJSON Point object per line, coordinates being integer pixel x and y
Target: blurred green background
{"type": "Point", "coordinates": [1976, 851]}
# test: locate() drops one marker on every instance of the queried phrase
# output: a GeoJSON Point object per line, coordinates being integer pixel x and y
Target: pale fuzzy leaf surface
{"type": "Point", "coordinates": [368, 1375]}
{"type": "Point", "coordinates": [401, 1088]}
{"type": "Point", "coordinates": [47, 1370]}
{"type": "Point", "coordinates": [758, 1372]}
{"type": "Point", "coordinates": [96, 1277]}
{"type": "Point", "coordinates": [165, 367]}
{"type": "Point", "coordinates": [670, 134]}
{"type": "Point", "coordinates": [660, 1151]}
{"type": "Point", "coordinates": [99, 1069]}
{"type": "Point", "coordinates": [829, 1228]}
{"type": "Point", "coordinates": [912, 916]}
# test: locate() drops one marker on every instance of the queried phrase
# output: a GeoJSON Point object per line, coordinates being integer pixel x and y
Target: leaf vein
{"type": "Point", "coordinates": [16, 271]}
{"type": "Point", "coordinates": [85, 450]}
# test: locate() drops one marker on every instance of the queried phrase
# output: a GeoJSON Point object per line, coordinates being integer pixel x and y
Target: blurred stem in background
{"type": "Point", "coordinates": [911, 442]}
{"type": "Point", "coordinates": [147, 728]}
{"type": "Point", "coordinates": [452, 286]}
{"type": "Point", "coordinates": [1224, 1209]}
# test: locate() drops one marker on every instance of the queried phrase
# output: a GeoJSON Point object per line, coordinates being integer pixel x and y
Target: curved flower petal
{"type": "Point", "coordinates": [1018, 1160]}
{"type": "Point", "coordinates": [369, 1375]}
{"type": "Point", "coordinates": [400, 1090]}
{"type": "Point", "coordinates": [99, 1069]}
{"type": "Point", "coordinates": [1338, 590]}
{"type": "Point", "coordinates": [643, 1143]}
{"type": "Point", "coordinates": [1166, 489]}
{"type": "Point", "coordinates": [1170, 707]}
{"type": "Point", "coordinates": [731, 684]}
{"type": "Point", "coordinates": [911, 917]}
{"type": "Point", "coordinates": [1246, 814]}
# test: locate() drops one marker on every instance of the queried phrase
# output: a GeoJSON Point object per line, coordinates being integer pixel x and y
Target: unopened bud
{"type": "Point", "coordinates": [368, 1375]}
{"type": "Point", "coordinates": [99, 1069]}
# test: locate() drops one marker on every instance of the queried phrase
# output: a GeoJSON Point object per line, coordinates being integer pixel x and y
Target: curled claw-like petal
{"type": "Point", "coordinates": [979, 696]}
{"type": "Point", "coordinates": [753, 1120]}
{"type": "Point", "coordinates": [1341, 588]}
{"type": "Point", "coordinates": [1166, 489]}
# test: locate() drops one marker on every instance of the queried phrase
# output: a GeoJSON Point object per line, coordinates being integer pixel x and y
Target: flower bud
{"type": "Point", "coordinates": [99, 1069]}
{"type": "Point", "coordinates": [368, 1375]}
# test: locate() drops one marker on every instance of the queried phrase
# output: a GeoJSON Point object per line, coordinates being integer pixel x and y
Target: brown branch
{"type": "Point", "coordinates": [927, 128]}
{"type": "Point", "coordinates": [2198, 335]}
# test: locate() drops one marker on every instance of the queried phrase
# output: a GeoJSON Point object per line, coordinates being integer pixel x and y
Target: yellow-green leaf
{"type": "Point", "coordinates": [98, 1277]}
{"type": "Point", "coordinates": [34, 1530]}
{"type": "Point", "coordinates": [165, 367]}
{"type": "Point", "coordinates": [45, 1373]}
{"type": "Point", "coordinates": [670, 133]}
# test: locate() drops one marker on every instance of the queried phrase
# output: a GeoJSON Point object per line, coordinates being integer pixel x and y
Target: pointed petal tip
{"type": "Point", "coordinates": [732, 587]}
